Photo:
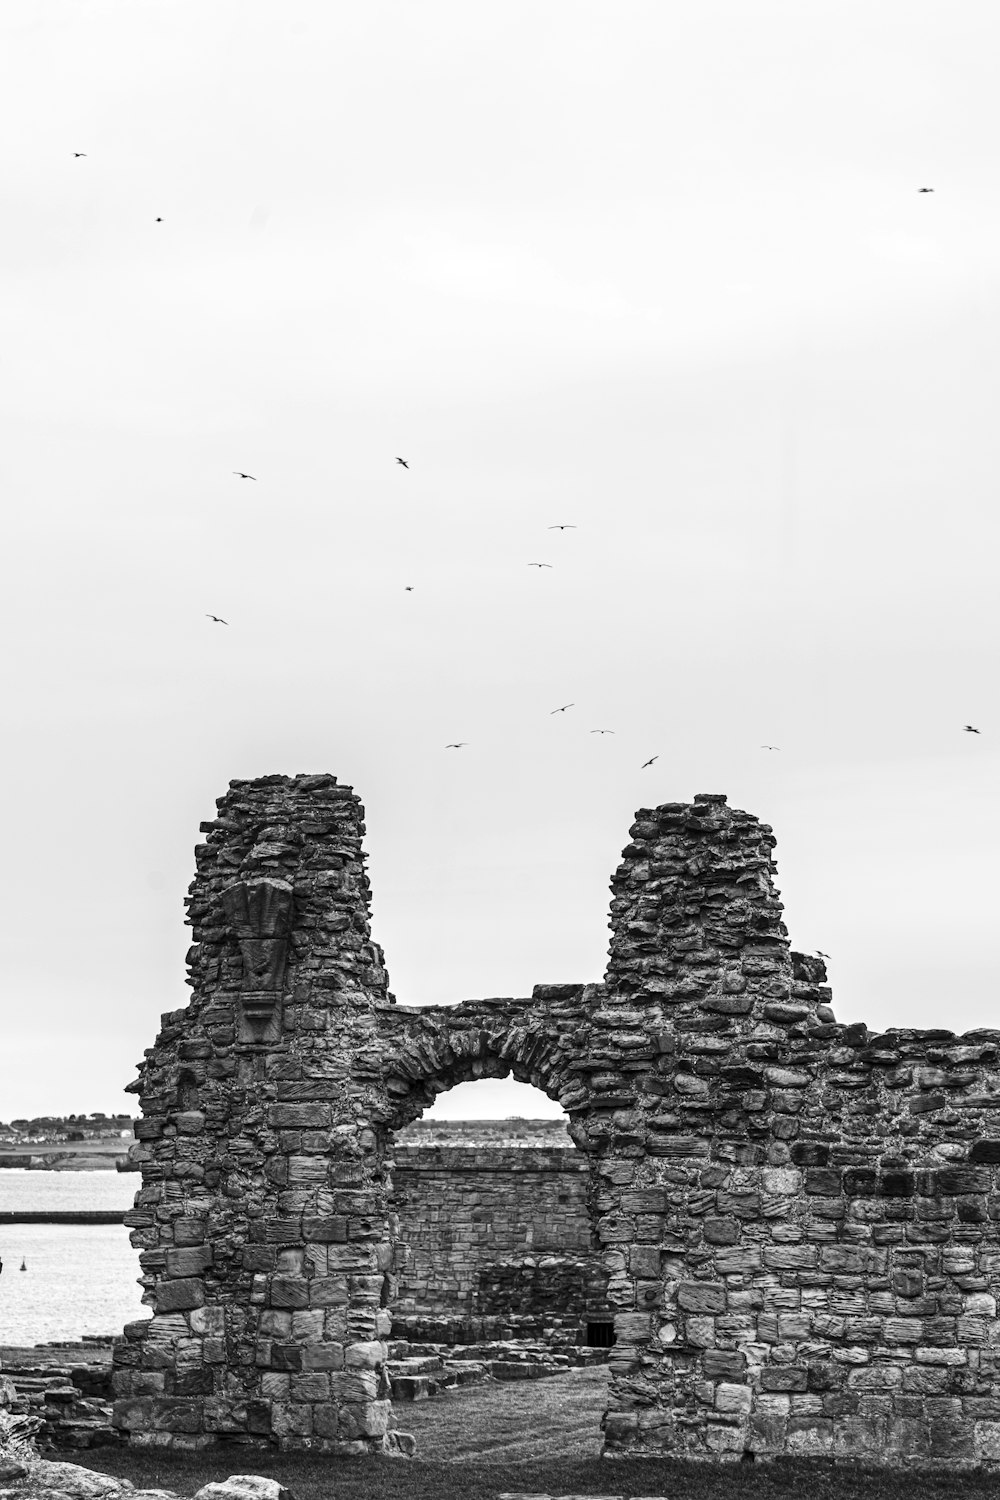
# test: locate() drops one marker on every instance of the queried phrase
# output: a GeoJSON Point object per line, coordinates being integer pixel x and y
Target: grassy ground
{"type": "Point", "coordinates": [532, 1437]}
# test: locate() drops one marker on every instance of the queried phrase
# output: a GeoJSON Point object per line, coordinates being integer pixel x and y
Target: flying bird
{"type": "Point", "coordinates": [539, 565]}
{"type": "Point", "coordinates": [158, 221]}
{"type": "Point", "coordinates": [822, 955]}
{"type": "Point", "coordinates": [408, 588]}
{"type": "Point", "coordinates": [561, 710]}
{"type": "Point", "coordinates": [456, 745]}
{"type": "Point", "coordinates": [925, 190]}
{"type": "Point", "coordinates": [648, 762]}
{"type": "Point", "coordinates": [79, 153]}
{"type": "Point", "coordinates": [567, 527]}
{"type": "Point", "coordinates": [217, 619]}
{"type": "Point", "coordinates": [240, 475]}
{"type": "Point", "coordinates": [770, 747]}
{"type": "Point", "coordinates": [602, 731]}
{"type": "Point", "coordinates": [403, 462]}
{"type": "Point", "coordinates": [969, 729]}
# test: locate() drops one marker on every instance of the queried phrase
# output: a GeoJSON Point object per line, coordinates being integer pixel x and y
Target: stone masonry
{"type": "Point", "coordinates": [798, 1219]}
{"type": "Point", "coordinates": [500, 1243]}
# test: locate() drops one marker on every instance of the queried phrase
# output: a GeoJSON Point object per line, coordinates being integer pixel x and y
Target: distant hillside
{"type": "Point", "coordinates": [512, 1132]}
{"type": "Point", "coordinates": [59, 1128]}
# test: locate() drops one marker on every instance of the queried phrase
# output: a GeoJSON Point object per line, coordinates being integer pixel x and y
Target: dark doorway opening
{"type": "Point", "coordinates": [600, 1335]}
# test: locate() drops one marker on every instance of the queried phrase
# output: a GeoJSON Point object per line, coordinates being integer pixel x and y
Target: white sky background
{"type": "Point", "coordinates": [659, 270]}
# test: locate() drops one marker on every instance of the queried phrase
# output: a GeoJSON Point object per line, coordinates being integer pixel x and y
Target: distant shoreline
{"type": "Point", "coordinates": [62, 1215]}
{"type": "Point", "coordinates": [87, 1156]}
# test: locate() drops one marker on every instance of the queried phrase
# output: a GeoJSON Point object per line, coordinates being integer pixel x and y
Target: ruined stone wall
{"type": "Point", "coordinates": [799, 1221]}
{"type": "Point", "coordinates": [495, 1234]}
{"type": "Point", "coordinates": [262, 1221]}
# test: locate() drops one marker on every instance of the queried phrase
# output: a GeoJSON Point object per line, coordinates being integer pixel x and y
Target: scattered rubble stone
{"type": "Point", "coordinates": [45, 1476]}
{"type": "Point", "coordinates": [244, 1487]}
{"type": "Point", "coordinates": [797, 1219]}
{"type": "Point", "coordinates": [47, 1480]}
{"type": "Point", "coordinates": [419, 1371]}
{"type": "Point", "coordinates": [72, 1402]}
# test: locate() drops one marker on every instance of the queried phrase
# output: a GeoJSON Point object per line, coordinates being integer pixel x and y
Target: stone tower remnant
{"type": "Point", "coordinates": [798, 1219]}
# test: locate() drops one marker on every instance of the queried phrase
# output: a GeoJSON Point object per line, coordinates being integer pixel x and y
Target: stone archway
{"type": "Point", "coordinates": [800, 1220]}
{"type": "Point", "coordinates": [480, 1274]}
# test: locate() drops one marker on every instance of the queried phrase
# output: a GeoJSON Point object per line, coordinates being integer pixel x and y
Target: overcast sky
{"type": "Point", "coordinates": [656, 270]}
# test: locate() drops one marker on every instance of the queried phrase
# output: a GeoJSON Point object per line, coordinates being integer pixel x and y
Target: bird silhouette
{"type": "Point", "coordinates": [240, 475]}
{"type": "Point", "coordinates": [79, 153]}
{"type": "Point", "coordinates": [602, 731]}
{"type": "Point", "coordinates": [770, 747]}
{"type": "Point", "coordinates": [969, 729]}
{"type": "Point", "coordinates": [648, 762]}
{"type": "Point", "coordinates": [821, 955]}
{"type": "Point", "coordinates": [567, 527]}
{"type": "Point", "coordinates": [403, 462]}
{"type": "Point", "coordinates": [456, 745]}
{"type": "Point", "coordinates": [408, 588]}
{"type": "Point", "coordinates": [539, 565]}
{"type": "Point", "coordinates": [560, 710]}
{"type": "Point", "coordinates": [158, 221]}
{"type": "Point", "coordinates": [217, 619]}
{"type": "Point", "coordinates": [925, 190]}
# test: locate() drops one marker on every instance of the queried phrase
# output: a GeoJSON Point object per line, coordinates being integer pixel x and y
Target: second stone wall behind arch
{"type": "Point", "coordinates": [499, 1235]}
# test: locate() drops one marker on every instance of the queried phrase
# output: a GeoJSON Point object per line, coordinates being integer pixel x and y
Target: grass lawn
{"type": "Point", "coordinates": [532, 1437]}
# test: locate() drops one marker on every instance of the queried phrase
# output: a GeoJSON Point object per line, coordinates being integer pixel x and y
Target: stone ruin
{"type": "Point", "coordinates": [499, 1237]}
{"type": "Point", "coordinates": [797, 1219]}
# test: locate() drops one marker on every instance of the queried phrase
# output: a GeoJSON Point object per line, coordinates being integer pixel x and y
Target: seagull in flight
{"type": "Point", "coordinates": [561, 710]}
{"type": "Point", "coordinates": [648, 762]}
{"type": "Point", "coordinates": [456, 745]}
{"type": "Point", "coordinates": [240, 475]}
{"type": "Point", "coordinates": [217, 619]}
{"type": "Point", "coordinates": [79, 153]}
{"type": "Point", "coordinates": [925, 190]}
{"type": "Point", "coordinates": [567, 527]}
{"type": "Point", "coordinates": [408, 588]}
{"type": "Point", "coordinates": [539, 565]}
{"type": "Point", "coordinates": [969, 729]}
{"type": "Point", "coordinates": [770, 747]}
{"type": "Point", "coordinates": [602, 731]}
{"type": "Point", "coordinates": [822, 955]}
{"type": "Point", "coordinates": [403, 462]}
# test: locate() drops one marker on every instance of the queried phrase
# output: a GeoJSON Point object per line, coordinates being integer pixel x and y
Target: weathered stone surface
{"type": "Point", "coordinates": [244, 1487]}
{"type": "Point", "coordinates": [73, 1480]}
{"type": "Point", "coordinates": [796, 1222]}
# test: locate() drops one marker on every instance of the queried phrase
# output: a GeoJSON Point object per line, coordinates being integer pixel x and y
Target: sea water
{"type": "Point", "coordinates": [79, 1278]}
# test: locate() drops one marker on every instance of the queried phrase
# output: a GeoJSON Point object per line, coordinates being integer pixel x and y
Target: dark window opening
{"type": "Point", "coordinates": [600, 1335]}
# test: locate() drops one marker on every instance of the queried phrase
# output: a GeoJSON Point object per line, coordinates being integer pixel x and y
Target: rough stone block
{"type": "Point", "coordinates": [700, 1297]}
{"type": "Point", "coordinates": [986, 1440]}
{"type": "Point", "coordinates": [288, 1291]}
{"type": "Point", "coordinates": [784, 1378]}
{"type": "Point", "coordinates": [176, 1296]}
{"type": "Point", "coordinates": [721, 1231]}
{"type": "Point", "coordinates": [734, 1399]}
{"type": "Point", "coordinates": [330, 1228]}
{"type": "Point", "coordinates": [810, 1435]}
{"type": "Point", "coordinates": [189, 1261]}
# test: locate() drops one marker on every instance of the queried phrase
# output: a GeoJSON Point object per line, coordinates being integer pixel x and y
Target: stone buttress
{"type": "Point", "coordinates": [262, 1221]}
{"type": "Point", "coordinates": [797, 1220]}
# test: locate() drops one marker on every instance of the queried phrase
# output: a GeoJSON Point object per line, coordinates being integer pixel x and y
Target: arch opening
{"type": "Point", "coordinates": [500, 1271]}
